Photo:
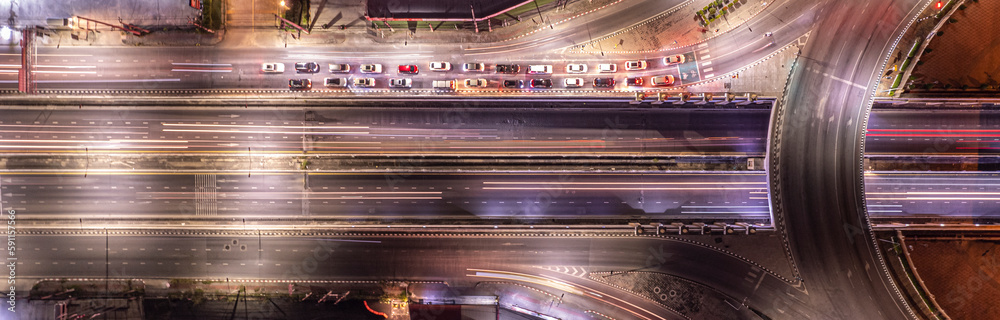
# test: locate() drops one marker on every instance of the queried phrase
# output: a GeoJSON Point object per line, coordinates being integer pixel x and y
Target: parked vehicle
{"type": "Point", "coordinates": [272, 67]}
{"type": "Point", "coordinates": [508, 68]}
{"type": "Point", "coordinates": [335, 82]}
{"type": "Point", "coordinates": [300, 84]}
{"type": "Point", "coordinates": [474, 67]}
{"type": "Point", "coordinates": [371, 68]}
{"type": "Point", "coordinates": [607, 67]}
{"type": "Point", "coordinates": [307, 67]}
{"type": "Point", "coordinates": [604, 83]}
{"type": "Point", "coordinates": [662, 80]}
{"type": "Point", "coordinates": [364, 82]}
{"type": "Point", "coordinates": [440, 66]}
{"type": "Point", "coordinates": [340, 68]}
{"type": "Point", "coordinates": [539, 69]}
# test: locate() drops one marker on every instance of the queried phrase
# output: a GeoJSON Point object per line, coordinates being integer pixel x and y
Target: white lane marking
{"type": "Point", "coordinates": [196, 70]}
{"type": "Point", "coordinates": [706, 56]}
{"type": "Point", "coordinates": [110, 80]}
{"type": "Point", "coordinates": [706, 63]}
{"type": "Point", "coordinates": [845, 81]}
{"type": "Point", "coordinates": [707, 70]}
{"type": "Point", "coordinates": [703, 51]}
{"type": "Point", "coordinates": [702, 45]}
{"type": "Point", "coordinates": [202, 64]}
{"type": "Point", "coordinates": [708, 76]}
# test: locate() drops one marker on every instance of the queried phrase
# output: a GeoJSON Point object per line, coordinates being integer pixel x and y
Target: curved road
{"type": "Point", "coordinates": [816, 160]}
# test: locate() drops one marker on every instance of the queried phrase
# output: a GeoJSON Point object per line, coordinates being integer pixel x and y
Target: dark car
{"type": "Point", "coordinates": [410, 68]}
{"type": "Point", "coordinates": [541, 83]}
{"type": "Point", "coordinates": [310, 67]}
{"type": "Point", "coordinates": [301, 84]}
{"type": "Point", "coordinates": [508, 68]}
{"type": "Point", "coordinates": [604, 82]}
{"type": "Point", "coordinates": [513, 84]}
{"type": "Point", "coordinates": [634, 81]}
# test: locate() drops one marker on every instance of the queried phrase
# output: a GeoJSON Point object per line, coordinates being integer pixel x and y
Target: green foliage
{"type": "Point", "coordinates": [211, 14]}
{"type": "Point", "coordinates": [947, 86]}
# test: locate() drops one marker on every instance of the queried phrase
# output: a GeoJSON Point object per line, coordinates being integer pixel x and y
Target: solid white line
{"type": "Point", "coordinates": [195, 70]}
{"type": "Point", "coordinates": [203, 64]}
{"type": "Point", "coordinates": [102, 81]}
{"type": "Point", "coordinates": [87, 72]}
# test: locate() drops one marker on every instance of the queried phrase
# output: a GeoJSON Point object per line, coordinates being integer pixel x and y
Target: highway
{"type": "Point", "coordinates": [426, 129]}
{"type": "Point", "coordinates": [933, 195]}
{"type": "Point", "coordinates": [933, 133]}
{"type": "Point", "coordinates": [393, 195]}
{"type": "Point", "coordinates": [816, 159]}
{"type": "Point", "coordinates": [460, 260]}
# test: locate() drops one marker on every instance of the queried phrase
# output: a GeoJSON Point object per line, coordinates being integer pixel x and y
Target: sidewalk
{"type": "Point", "coordinates": [676, 29]}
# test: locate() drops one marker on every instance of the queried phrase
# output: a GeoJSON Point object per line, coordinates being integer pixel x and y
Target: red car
{"type": "Point", "coordinates": [411, 69]}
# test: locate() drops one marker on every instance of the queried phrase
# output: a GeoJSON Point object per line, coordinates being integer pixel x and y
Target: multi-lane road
{"type": "Point", "coordinates": [424, 129]}
{"type": "Point", "coordinates": [395, 195]}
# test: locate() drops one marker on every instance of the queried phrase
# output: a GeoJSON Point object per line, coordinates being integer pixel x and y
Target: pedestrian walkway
{"type": "Point", "coordinates": [138, 12]}
{"type": "Point", "coordinates": [674, 29]}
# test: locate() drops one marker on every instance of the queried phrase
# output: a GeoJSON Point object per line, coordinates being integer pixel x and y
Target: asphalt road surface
{"type": "Point", "coordinates": [461, 261]}
{"type": "Point", "coordinates": [449, 129]}
{"type": "Point", "coordinates": [160, 68]}
{"type": "Point", "coordinates": [933, 133]}
{"type": "Point", "coordinates": [396, 195]}
{"type": "Point", "coordinates": [907, 195]}
{"type": "Point", "coordinates": [816, 166]}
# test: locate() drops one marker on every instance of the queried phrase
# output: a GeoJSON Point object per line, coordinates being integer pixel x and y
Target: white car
{"type": "Point", "coordinates": [364, 82]}
{"type": "Point", "coordinates": [440, 66]}
{"type": "Point", "coordinates": [635, 65]}
{"type": "Point", "coordinates": [539, 69]}
{"type": "Point", "coordinates": [607, 67]}
{"type": "Point", "coordinates": [661, 81]}
{"type": "Point", "coordinates": [400, 83]}
{"type": "Point", "coordinates": [339, 68]}
{"type": "Point", "coordinates": [371, 68]}
{"type": "Point", "coordinates": [576, 68]}
{"type": "Point", "coordinates": [474, 67]}
{"type": "Point", "coordinates": [475, 83]}
{"type": "Point", "coordinates": [574, 82]}
{"type": "Point", "coordinates": [673, 59]}
{"type": "Point", "coordinates": [274, 67]}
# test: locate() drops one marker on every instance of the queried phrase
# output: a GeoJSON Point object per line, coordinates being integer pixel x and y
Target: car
{"type": "Point", "coordinates": [574, 82]}
{"type": "Point", "coordinates": [576, 68]}
{"type": "Point", "coordinates": [512, 84]}
{"type": "Point", "coordinates": [309, 67]}
{"type": "Point", "coordinates": [300, 84]}
{"type": "Point", "coordinates": [443, 84]}
{"type": "Point", "coordinates": [273, 67]}
{"type": "Point", "coordinates": [637, 81]}
{"type": "Point", "coordinates": [409, 68]}
{"type": "Point", "coordinates": [335, 82]}
{"type": "Point", "coordinates": [662, 80]}
{"type": "Point", "coordinates": [474, 67]}
{"type": "Point", "coordinates": [508, 68]}
{"type": "Point", "coordinates": [340, 68]}
{"type": "Point", "coordinates": [364, 82]}
{"type": "Point", "coordinates": [539, 69]}
{"type": "Point", "coordinates": [541, 83]}
{"type": "Point", "coordinates": [440, 66]}
{"type": "Point", "coordinates": [633, 65]}
{"type": "Point", "coordinates": [673, 59]}
{"type": "Point", "coordinates": [607, 67]}
{"type": "Point", "coordinates": [400, 83]}
{"type": "Point", "coordinates": [475, 83]}
{"type": "Point", "coordinates": [604, 83]}
{"type": "Point", "coordinates": [371, 68]}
